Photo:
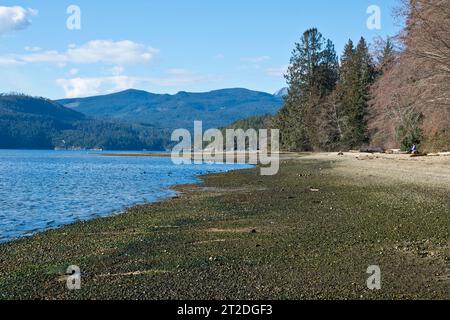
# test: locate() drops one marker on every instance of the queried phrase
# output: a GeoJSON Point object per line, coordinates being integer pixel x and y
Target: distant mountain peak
{"type": "Point", "coordinates": [131, 90]}
{"type": "Point", "coordinates": [281, 93]}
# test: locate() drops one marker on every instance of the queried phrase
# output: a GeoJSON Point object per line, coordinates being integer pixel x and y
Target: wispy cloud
{"type": "Point", "coordinates": [96, 51]}
{"type": "Point", "coordinates": [117, 70]}
{"type": "Point", "coordinates": [32, 49]}
{"type": "Point", "coordinates": [176, 77]}
{"type": "Point", "coordinates": [82, 87]}
{"type": "Point", "coordinates": [277, 71]}
{"type": "Point", "coordinates": [253, 63]}
{"type": "Point", "coordinates": [15, 18]}
{"type": "Point", "coordinates": [9, 61]}
{"type": "Point", "coordinates": [106, 51]}
{"type": "Point", "coordinates": [73, 72]}
{"type": "Point", "coordinates": [259, 59]}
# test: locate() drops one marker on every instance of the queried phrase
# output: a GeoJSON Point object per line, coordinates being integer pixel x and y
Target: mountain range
{"type": "Point", "coordinates": [215, 108]}
{"type": "Point", "coordinates": [128, 120]}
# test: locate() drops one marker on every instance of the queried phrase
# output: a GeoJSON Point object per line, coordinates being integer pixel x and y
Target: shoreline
{"type": "Point", "coordinates": [238, 235]}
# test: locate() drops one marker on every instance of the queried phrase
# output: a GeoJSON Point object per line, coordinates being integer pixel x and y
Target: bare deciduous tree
{"type": "Point", "coordinates": [419, 80]}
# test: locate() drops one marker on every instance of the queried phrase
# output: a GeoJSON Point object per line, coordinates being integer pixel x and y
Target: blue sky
{"type": "Point", "coordinates": [166, 46]}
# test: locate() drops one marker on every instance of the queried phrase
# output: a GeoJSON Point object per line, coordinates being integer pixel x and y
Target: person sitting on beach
{"type": "Point", "coordinates": [414, 149]}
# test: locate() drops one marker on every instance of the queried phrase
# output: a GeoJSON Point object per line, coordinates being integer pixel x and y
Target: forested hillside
{"type": "Point", "coordinates": [38, 123]}
{"type": "Point", "coordinates": [215, 108]}
{"type": "Point", "coordinates": [257, 122]}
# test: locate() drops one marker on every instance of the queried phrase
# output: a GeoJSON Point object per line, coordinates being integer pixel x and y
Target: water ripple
{"type": "Point", "coordinates": [40, 190]}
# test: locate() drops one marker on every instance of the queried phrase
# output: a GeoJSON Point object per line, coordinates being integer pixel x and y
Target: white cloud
{"type": "Point", "coordinates": [259, 59]}
{"type": "Point", "coordinates": [106, 51]}
{"type": "Point", "coordinates": [176, 77]}
{"type": "Point", "coordinates": [278, 71]}
{"type": "Point", "coordinates": [8, 61]}
{"type": "Point", "coordinates": [83, 87]}
{"type": "Point", "coordinates": [32, 49]}
{"type": "Point", "coordinates": [73, 72]}
{"type": "Point", "coordinates": [117, 70]}
{"type": "Point", "coordinates": [179, 72]}
{"type": "Point", "coordinates": [253, 63]}
{"type": "Point", "coordinates": [44, 56]}
{"type": "Point", "coordinates": [15, 18]}
{"type": "Point", "coordinates": [96, 51]}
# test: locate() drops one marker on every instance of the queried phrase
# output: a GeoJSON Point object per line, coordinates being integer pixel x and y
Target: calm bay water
{"type": "Point", "coordinates": [40, 190]}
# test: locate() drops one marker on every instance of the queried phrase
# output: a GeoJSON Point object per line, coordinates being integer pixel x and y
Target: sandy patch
{"type": "Point", "coordinates": [425, 171]}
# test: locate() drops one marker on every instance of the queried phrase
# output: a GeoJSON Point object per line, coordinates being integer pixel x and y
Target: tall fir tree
{"type": "Point", "coordinates": [311, 77]}
{"type": "Point", "coordinates": [387, 57]}
{"type": "Point", "coordinates": [357, 73]}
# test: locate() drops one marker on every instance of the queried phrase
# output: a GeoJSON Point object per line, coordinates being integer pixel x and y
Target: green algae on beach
{"type": "Point", "coordinates": [242, 236]}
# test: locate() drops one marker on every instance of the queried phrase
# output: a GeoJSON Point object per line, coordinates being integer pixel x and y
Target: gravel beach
{"type": "Point", "coordinates": [309, 232]}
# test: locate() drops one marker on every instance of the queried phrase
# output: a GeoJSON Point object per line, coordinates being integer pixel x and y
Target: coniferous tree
{"type": "Point", "coordinates": [311, 77]}
{"type": "Point", "coordinates": [388, 56]}
{"type": "Point", "coordinates": [352, 95]}
{"type": "Point", "coordinates": [328, 133]}
{"type": "Point", "coordinates": [366, 76]}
